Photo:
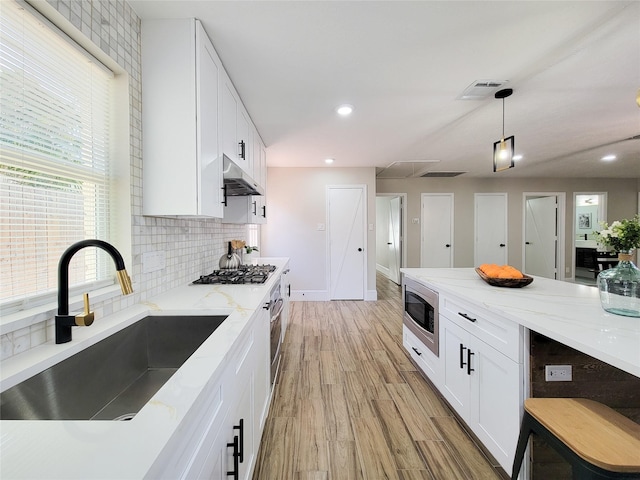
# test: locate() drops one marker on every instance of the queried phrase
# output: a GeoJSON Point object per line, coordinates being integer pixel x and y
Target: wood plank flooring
{"type": "Point", "coordinates": [349, 404]}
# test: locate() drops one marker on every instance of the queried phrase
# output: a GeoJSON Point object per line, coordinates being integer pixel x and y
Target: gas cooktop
{"type": "Point", "coordinates": [245, 274]}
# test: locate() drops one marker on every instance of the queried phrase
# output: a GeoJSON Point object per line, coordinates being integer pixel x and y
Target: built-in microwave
{"type": "Point", "coordinates": [421, 312]}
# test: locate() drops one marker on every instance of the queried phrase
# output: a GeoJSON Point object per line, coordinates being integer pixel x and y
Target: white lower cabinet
{"type": "Point", "coordinates": [479, 371]}
{"type": "Point", "coordinates": [485, 388]}
{"type": "Point", "coordinates": [231, 419]}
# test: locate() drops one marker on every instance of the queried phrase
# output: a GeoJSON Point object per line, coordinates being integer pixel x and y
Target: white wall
{"type": "Point", "coordinates": [296, 202]}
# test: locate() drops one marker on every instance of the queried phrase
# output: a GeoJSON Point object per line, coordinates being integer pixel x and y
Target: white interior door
{"type": "Point", "coordinates": [395, 239]}
{"type": "Point", "coordinates": [490, 228]}
{"type": "Point", "coordinates": [541, 236]}
{"type": "Point", "coordinates": [346, 223]}
{"type": "Point", "coordinates": [437, 230]}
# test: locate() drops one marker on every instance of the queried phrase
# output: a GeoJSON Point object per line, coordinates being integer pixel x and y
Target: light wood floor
{"type": "Point", "coordinates": [349, 404]}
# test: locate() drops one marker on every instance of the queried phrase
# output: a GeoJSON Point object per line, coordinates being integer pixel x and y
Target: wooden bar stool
{"type": "Point", "coordinates": [597, 441]}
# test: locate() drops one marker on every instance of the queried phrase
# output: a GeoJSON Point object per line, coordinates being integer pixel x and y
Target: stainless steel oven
{"type": "Point", "coordinates": [421, 312]}
{"type": "Point", "coordinates": [275, 306]}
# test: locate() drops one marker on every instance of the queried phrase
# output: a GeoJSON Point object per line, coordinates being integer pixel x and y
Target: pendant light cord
{"type": "Point", "coordinates": [503, 119]}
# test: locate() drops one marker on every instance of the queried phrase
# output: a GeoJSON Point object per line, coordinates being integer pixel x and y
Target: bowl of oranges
{"type": "Point", "coordinates": [503, 275]}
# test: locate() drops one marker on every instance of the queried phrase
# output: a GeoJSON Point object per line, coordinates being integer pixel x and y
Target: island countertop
{"type": "Point", "coordinates": [566, 312]}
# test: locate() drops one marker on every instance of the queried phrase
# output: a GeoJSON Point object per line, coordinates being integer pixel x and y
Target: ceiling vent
{"type": "Point", "coordinates": [407, 169]}
{"type": "Point", "coordinates": [481, 89]}
{"type": "Point", "coordinates": [441, 174]}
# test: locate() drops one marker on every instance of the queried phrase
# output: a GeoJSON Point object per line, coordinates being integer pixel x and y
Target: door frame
{"type": "Point", "coordinates": [365, 244]}
{"type": "Point", "coordinates": [602, 213]}
{"type": "Point", "coordinates": [560, 228]}
{"type": "Point", "coordinates": [403, 230]}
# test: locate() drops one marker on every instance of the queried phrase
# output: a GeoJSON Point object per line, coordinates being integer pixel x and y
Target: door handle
{"type": "Point", "coordinates": [235, 445]}
{"type": "Point", "coordinates": [469, 369]}
{"type": "Point", "coordinates": [240, 427]}
{"type": "Point", "coordinates": [527, 243]}
{"type": "Point", "coordinates": [502, 244]}
{"type": "Point", "coordinates": [389, 243]}
{"type": "Point", "coordinates": [462, 349]}
{"type": "Point", "coordinates": [447, 245]}
{"type": "Point", "coordinates": [359, 249]}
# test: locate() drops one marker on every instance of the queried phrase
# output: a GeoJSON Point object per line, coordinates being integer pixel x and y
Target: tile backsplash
{"type": "Point", "coordinates": [192, 246]}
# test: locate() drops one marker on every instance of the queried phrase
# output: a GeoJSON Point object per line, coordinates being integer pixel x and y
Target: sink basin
{"type": "Point", "coordinates": [114, 378]}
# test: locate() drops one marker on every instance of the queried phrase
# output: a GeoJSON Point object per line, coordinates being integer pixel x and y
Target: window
{"type": "Point", "coordinates": [54, 157]}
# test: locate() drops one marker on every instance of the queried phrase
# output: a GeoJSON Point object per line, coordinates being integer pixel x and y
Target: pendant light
{"type": "Point", "coordinates": [503, 149]}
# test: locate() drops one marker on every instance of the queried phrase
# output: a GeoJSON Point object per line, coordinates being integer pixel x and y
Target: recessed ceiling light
{"type": "Point", "coordinates": [328, 160]}
{"type": "Point", "coordinates": [608, 158]}
{"type": "Point", "coordinates": [344, 110]}
{"type": "Point", "coordinates": [517, 157]}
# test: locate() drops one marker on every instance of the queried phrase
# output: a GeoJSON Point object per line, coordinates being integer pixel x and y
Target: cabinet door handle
{"type": "Point", "coordinates": [464, 315]}
{"type": "Point", "coordinates": [448, 245]}
{"type": "Point", "coordinates": [502, 245]}
{"type": "Point", "coordinates": [469, 369]}
{"type": "Point", "coordinates": [224, 195]}
{"type": "Point", "coordinates": [236, 466]}
{"type": "Point", "coordinates": [240, 427]}
{"type": "Point", "coordinates": [264, 211]}
{"type": "Point", "coordinates": [416, 350]}
{"type": "Point", "coordinates": [242, 148]}
{"type": "Point", "coordinates": [462, 349]}
{"type": "Point", "coordinates": [255, 206]}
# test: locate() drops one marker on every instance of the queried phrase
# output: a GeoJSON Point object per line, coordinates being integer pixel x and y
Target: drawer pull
{"type": "Point", "coordinates": [416, 350]}
{"type": "Point", "coordinates": [464, 315]}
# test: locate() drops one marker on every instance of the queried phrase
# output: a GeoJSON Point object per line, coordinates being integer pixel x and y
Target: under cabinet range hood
{"type": "Point", "coordinates": [237, 182]}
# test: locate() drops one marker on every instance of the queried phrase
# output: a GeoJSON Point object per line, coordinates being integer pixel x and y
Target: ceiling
{"type": "Point", "coordinates": [574, 68]}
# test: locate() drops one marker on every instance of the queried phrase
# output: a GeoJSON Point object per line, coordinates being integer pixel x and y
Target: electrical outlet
{"type": "Point", "coordinates": [557, 373]}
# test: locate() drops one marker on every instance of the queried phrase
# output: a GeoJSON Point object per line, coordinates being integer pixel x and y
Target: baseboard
{"type": "Point", "coordinates": [310, 295]}
{"type": "Point", "coordinates": [382, 269]}
{"type": "Point", "coordinates": [323, 296]}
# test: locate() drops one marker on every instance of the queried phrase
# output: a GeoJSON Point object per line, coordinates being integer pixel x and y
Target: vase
{"type": "Point", "coordinates": [249, 258]}
{"type": "Point", "coordinates": [620, 287]}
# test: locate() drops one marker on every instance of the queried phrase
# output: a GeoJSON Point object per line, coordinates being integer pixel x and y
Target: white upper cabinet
{"type": "Point", "coordinates": [237, 127]}
{"type": "Point", "coordinates": [182, 149]}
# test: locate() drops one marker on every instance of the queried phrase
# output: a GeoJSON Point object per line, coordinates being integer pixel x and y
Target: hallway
{"type": "Point", "coordinates": [349, 404]}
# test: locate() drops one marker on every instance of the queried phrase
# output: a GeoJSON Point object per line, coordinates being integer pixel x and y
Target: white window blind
{"type": "Point", "coordinates": [54, 157]}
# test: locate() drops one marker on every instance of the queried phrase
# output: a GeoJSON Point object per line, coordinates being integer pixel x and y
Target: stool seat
{"type": "Point", "coordinates": [586, 433]}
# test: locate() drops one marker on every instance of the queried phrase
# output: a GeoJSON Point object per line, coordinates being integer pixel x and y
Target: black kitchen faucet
{"type": "Point", "coordinates": [64, 321]}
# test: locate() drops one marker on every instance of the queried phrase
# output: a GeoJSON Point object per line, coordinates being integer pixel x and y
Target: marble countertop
{"type": "Point", "coordinates": [125, 450]}
{"type": "Point", "coordinates": [566, 312]}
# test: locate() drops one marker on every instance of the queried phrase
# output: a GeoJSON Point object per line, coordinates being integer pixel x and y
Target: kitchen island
{"type": "Point", "coordinates": [495, 343]}
{"type": "Point", "coordinates": [173, 434]}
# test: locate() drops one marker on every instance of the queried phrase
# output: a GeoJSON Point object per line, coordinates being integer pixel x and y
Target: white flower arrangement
{"type": "Point", "coordinates": [621, 235]}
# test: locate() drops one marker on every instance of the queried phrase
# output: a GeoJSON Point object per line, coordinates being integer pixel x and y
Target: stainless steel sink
{"type": "Point", "coordinates": [113, 379]}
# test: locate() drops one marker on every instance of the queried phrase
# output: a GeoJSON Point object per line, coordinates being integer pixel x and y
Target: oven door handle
{"type": "Point", "coordinates": [279, 306]}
